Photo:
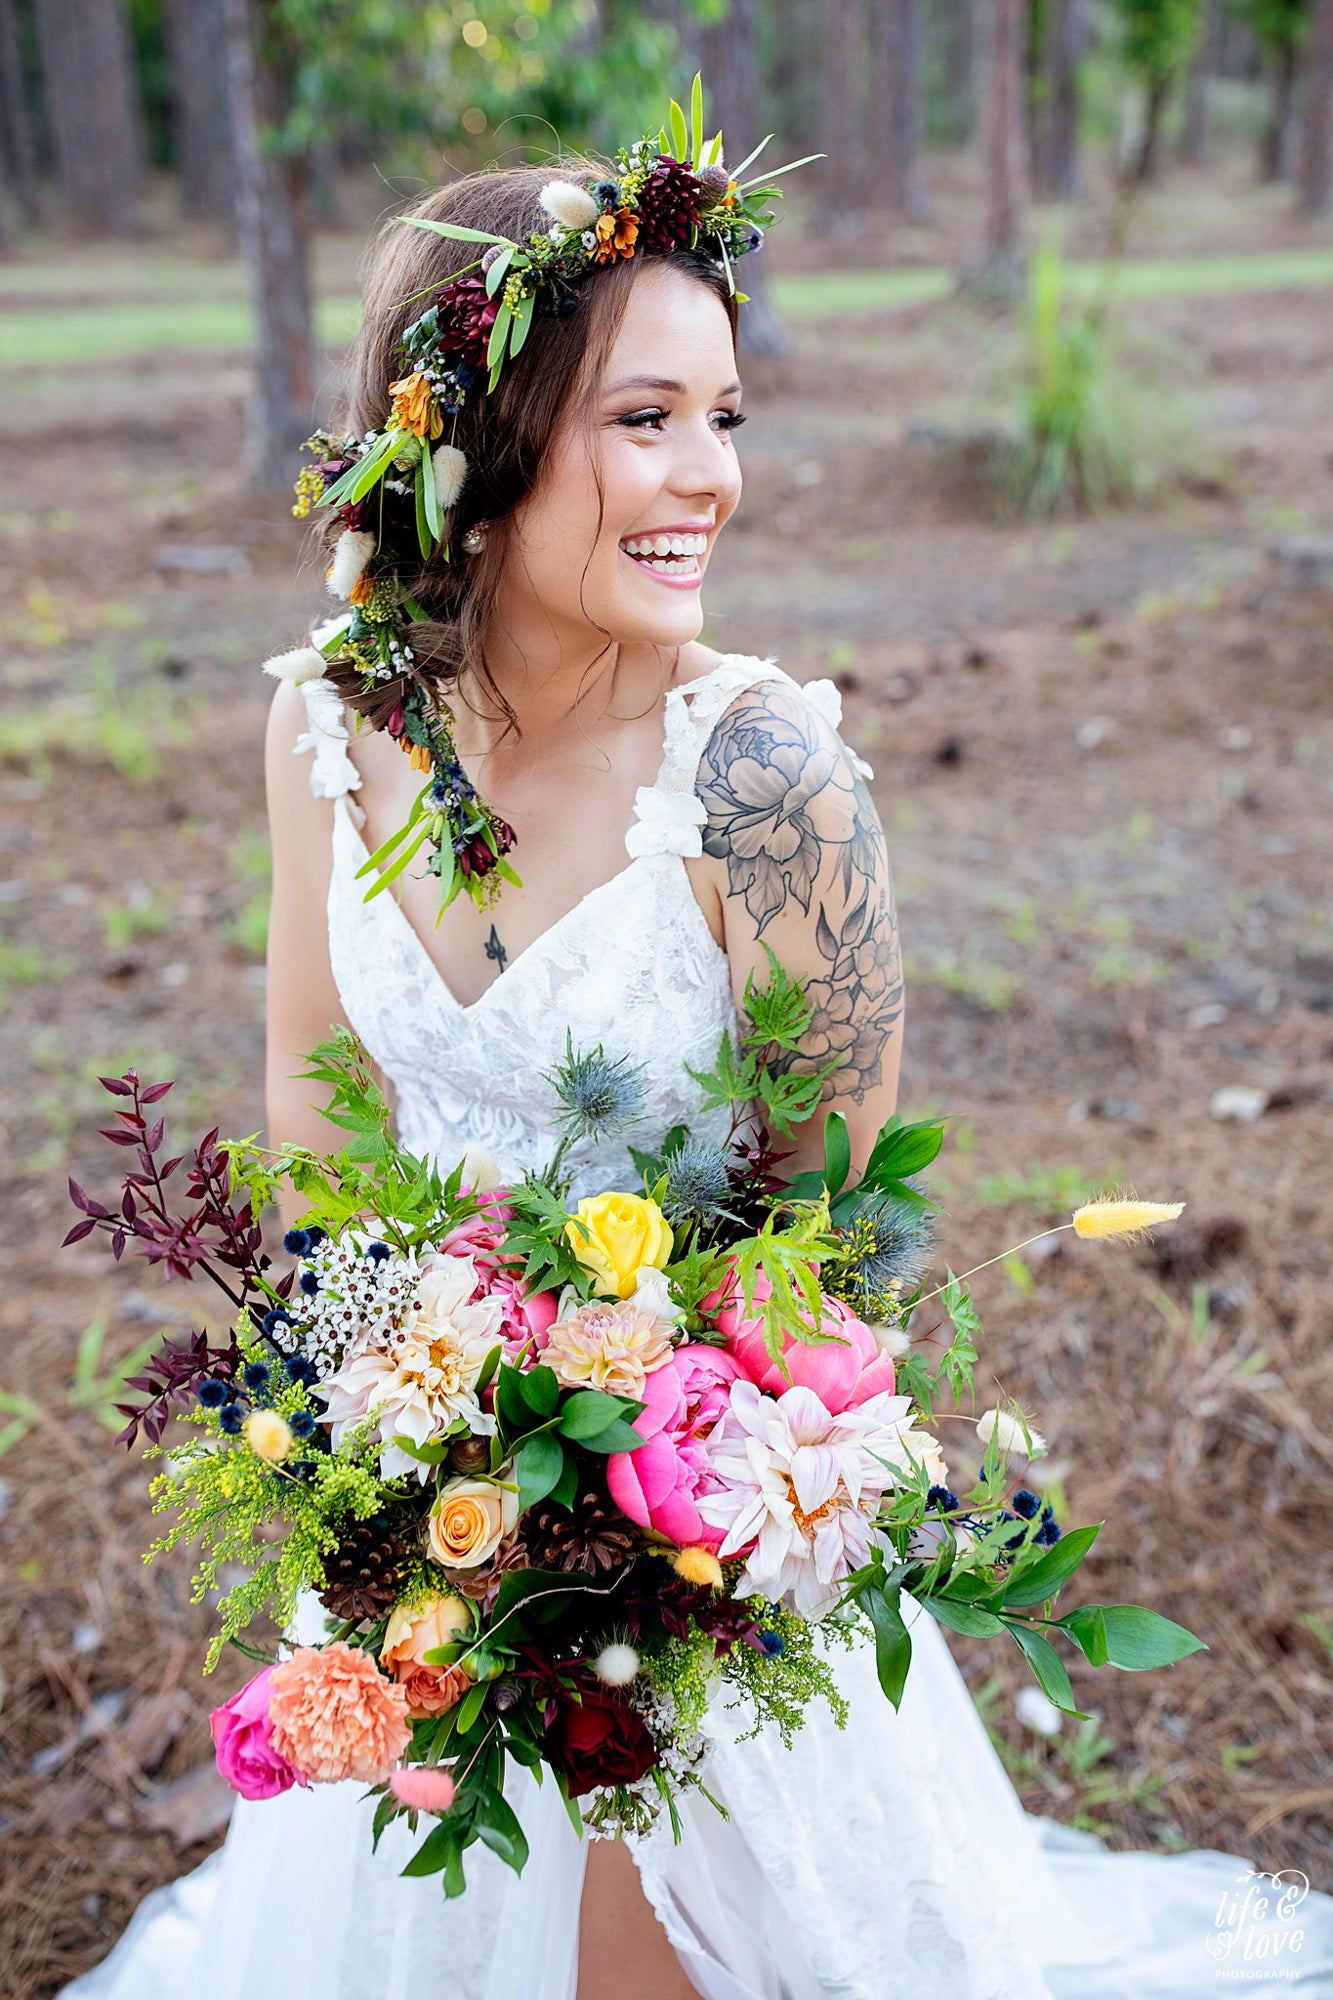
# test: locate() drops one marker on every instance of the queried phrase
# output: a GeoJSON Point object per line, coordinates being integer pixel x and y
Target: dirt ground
{"type": "Point", "coordinates": [1103, 752]}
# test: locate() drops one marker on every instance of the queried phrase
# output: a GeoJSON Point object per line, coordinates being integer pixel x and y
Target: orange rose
{"type": "Point", "coordinates": [415, 1630]}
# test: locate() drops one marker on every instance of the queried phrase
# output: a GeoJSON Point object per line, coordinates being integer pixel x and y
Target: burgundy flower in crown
{"type": "Point", "coordinates": [671, 204]}
{"type": "Point", "coordinates": [466, 316]}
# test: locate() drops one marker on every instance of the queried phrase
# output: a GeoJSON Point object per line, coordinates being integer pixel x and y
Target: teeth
{"type": "Point", "coordinates": [666, 545]}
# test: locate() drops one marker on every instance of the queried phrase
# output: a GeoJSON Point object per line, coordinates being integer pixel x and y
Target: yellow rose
{"type": "Point", "coordinates": [414, 1630]}
{"type": "Point", "coordinates": [470, 1520]}
{"type": "Point", "coordinates": [624, 1232]}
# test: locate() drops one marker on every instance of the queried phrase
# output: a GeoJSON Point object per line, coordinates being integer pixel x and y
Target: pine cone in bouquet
{"type": "Point", "coordinates": [592, 1535]}
{"type": "Point", "coordinates": [482, 1586]}
{"type": "Point", "coordinates": [362, 1575]}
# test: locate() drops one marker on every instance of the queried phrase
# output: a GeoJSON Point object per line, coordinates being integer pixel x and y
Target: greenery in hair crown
{"type": "Point", "coordinates": [395, 486]}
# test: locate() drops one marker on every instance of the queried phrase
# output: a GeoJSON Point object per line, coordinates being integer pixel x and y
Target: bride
{"type": "Point", "coordinates": [676, 809]}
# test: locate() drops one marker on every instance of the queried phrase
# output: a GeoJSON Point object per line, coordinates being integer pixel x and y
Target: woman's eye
{"type": "Point", "coordinates": [642, 418]}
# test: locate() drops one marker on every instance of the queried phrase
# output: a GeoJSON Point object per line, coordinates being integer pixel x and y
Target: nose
{"type": "Point", "coordinates": [706, 468]}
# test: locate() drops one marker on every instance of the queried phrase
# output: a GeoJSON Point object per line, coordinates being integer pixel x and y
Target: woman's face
{"type": "Point", "coordinates": [659, 434]}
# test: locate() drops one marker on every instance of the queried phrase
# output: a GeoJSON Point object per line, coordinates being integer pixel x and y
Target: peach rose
{"type": "Point", "coordinates": [470, 1520]}
{"type": "Point", "coordinates": [414, 1630]}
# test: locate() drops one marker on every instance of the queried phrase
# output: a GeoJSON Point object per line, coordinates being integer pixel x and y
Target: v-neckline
{"type": "Point", "coordinates": [464, 1007]}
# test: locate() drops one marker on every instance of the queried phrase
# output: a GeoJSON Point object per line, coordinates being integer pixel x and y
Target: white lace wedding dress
{"type": "Point", "coordinates": [891, 1861]}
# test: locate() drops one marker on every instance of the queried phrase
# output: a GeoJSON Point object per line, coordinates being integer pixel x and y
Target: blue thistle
{"type": "Point", "coordinates": [276, 1316]}
{"type": "Point", "coordinates": [892, 1244]}
{"type": "Point", "coordinates": [772, 1643]}
{"type": "Point", "coordinates": [255, 1374]}
{"type": "Point", "coordinates": [377, 1252]}
{"type": "Point", "coordinates": [232, 1418]}
{"type": "Point", "coordinates": [942, 1496]}
{"type": "Point", "coordinates": [214, 1393]}
{"type": "Point", "coordinates": [301, 1369]}
{"type": "Point", "coordinates": [697, 1184]}
{"type": "Point", "coordinates": [301, 1424]}
{"type": "Point", "coordinates": [1026, 1502]}
{"type": "Point", "coordinates": [296, 1242]}
{"type": "Point", "coordinates": [599, 1095]}
{"type": "Point", "coordinates": [606, 193]}
{"type": "Point", "coordinates": [1049, 1532]}
{"type": "Point", "coordinates": [309, 1283]}
{"type": "Point", "coordinates": [315, 1235]}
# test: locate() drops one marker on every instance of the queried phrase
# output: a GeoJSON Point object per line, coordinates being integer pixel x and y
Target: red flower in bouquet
{"type": "Point", "coordinates": [598, 1740]}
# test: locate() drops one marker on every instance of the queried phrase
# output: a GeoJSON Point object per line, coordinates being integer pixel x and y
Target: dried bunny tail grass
{"type": "Point", "coordinates": [1122, 1214]}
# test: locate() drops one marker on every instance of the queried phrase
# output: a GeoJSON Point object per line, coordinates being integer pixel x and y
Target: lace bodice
{"type": "Point", "coordinates": [633, 967]}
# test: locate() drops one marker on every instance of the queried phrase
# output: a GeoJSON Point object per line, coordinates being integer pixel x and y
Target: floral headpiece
{"type": "Point", "coordinates": [394, 487]}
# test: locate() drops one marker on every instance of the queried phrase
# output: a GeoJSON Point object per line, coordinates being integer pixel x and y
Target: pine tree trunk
{"type": "Point", "coordinates": [273, 233]}
{"type": "Point", "coordinates": [18, 137]}
{"type": "Point", "coordinates": [727, 59]}
{"type": "Point", "coordinates": [1278, 149]}
{"type": "Point", "coordinates": [94, 110]}
{"type": "Point", "coordinates": [204, 152]}
{"type": "Point", "coordinates": [1056, 169]}
{"type": "Point", "coordinates": [1148, 159]}
{"type": "Point", "coordinates": [1203, 67]}
{"type": "Point", "coordinates": [1316, 177]}
{"type": "Point", "coordinates": [1004, 148]}
{"type": "Point", "coordinates": [894, 167]}
{"type": "Point", "coordinates": [958, 61]}
{"type": "Point", "coordinates": [841, 78]}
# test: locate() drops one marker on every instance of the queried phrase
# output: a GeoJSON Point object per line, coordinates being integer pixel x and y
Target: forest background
{"type": "Point", "coordinates": [1039, 367]}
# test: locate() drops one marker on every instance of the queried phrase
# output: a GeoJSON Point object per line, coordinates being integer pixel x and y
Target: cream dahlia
{"type": "Point", "coordinates": [612, 1344]}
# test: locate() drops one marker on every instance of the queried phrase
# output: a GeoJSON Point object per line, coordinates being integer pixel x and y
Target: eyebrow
{"type": "Point", "coordinates": [661, 382]}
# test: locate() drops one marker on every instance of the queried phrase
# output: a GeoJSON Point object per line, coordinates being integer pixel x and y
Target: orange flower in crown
{"type": "Point", "coordinates": [414, 406]}
{"type": "Point", "coordinates": [616, 230]}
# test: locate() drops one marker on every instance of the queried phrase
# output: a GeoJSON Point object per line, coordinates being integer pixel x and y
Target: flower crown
{"type": "Point", "coordinates": [394, 486]}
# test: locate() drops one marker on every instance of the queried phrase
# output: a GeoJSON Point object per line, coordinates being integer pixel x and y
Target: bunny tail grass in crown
{"type": "Point", "coordinates": [669, 191]}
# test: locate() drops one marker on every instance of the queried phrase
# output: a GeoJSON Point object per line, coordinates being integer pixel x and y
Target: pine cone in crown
{"type": "Point", "coordinates": [483, 1585]}
{"type": "Point", "coordinates": [592, 1536]}
{"type": "Point", "coordinates": [670, 203]}
{"type": "Point", "coordinates": [361, 1576]}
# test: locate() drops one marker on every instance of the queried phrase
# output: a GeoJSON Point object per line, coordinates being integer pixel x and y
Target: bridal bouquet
{"type": "Point", "coordinates": [565, 1474]}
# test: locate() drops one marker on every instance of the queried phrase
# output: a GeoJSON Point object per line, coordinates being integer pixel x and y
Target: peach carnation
{"type": "Point", "coordinates": [334, 1715]}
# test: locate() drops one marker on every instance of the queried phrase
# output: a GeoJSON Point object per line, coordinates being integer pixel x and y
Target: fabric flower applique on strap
{"type": "Point", "coordinates": [666, 823]}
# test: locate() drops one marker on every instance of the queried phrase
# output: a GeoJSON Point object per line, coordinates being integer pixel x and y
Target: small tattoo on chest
{"type": "Point", "coordinates": [495, 951]}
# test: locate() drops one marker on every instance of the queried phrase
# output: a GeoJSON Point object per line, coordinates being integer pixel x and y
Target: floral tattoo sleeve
{"type": "Point", "coordinates": [798, 831]}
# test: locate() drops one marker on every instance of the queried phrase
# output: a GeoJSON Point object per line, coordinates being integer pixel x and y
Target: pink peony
{"type": "Point", "coordinates": [481, 1236]}
{"type": "Point", "coordinates": [335, 1715]}
{"type": "Point", "coordinates": [659, 1484]}
{"type": "Point", "coordinates": [843, 1372]}
{"type": "Point", "coordinates": [243, 1739]}
{"type": "Point", "coordinates": [527, 1314]}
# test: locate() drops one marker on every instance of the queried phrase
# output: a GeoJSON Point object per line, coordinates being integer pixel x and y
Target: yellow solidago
{"type": "Point", "coordinates": [1130, 1219]}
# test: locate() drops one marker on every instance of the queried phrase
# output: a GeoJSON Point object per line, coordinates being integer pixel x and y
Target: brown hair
{"type": "Point", "coordinates": [505, 434]}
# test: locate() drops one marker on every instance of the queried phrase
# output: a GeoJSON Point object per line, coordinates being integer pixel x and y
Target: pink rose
{"type": "Point", "coordinates": [659, 1484]}
{"type": "Point", "coordinates": [842, 1372]}
{"type": "Point", "coordinates": [243, 1740]}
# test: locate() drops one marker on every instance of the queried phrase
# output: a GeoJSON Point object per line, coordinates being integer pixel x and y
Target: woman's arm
{"type": "Point", "coordinates": [802, 867]}
{"type": "Point", "coordinates": [303, 1003]}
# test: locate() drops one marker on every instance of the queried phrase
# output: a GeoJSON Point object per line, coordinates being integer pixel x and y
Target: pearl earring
{"type": "Point", "coordinates": [474, 541]}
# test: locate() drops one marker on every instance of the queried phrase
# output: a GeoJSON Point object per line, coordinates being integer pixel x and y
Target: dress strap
{"type": "Point", "coordinates": [669, 816]}
{"type": "Point", "coordinates": [333, 775]}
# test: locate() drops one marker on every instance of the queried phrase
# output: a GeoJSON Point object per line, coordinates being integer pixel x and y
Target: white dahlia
{"type": "Point", "coordinates": [799, 1489]}
{"type": "Point", "coordinates": [423, 1378]}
